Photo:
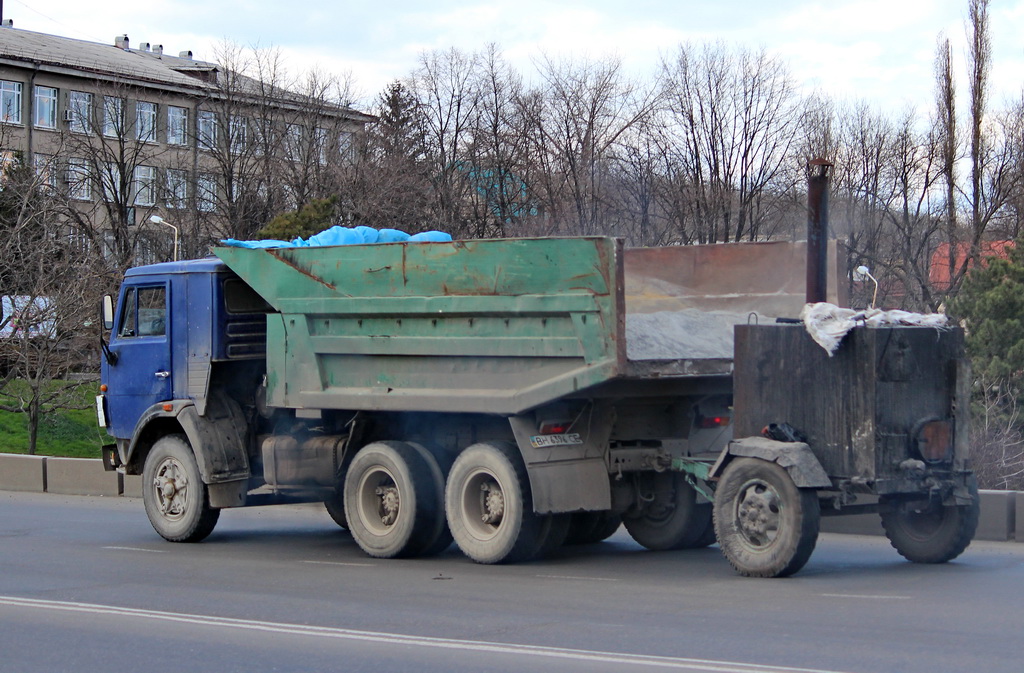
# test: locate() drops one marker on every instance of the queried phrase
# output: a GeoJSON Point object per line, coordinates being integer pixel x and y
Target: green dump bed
{"type": "Point", "coordinates": [494, 326]}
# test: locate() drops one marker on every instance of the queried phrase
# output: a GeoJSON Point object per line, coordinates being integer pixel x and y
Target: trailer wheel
{"type": "Point", "coordinates": [931, 533]}
{"type": "Point", "coordinates": [672, 520]}
{"type": "Point", "coordinates": [766, 526]}
{"type": "Point", "coordinates": [439, 464]}
{"type": "Point", "coordinates": [391, 500]}
{"type": "Point", "coordinates": [174, 494]}
{"type": "Point", "coordinates": [592, 527]}
{"type": "Point", "coordinates": [489, 505]}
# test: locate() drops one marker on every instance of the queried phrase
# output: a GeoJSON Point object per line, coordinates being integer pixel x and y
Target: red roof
{"type": "Point", "coordinates": [939, 274]}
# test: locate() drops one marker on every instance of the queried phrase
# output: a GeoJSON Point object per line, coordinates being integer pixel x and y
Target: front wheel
{"type": "Point", "coordinates": [930, 532]}
{"type": "Point", "coordinates": [765, 525]}
{"type": "Point", "coordinates": [174, 494]}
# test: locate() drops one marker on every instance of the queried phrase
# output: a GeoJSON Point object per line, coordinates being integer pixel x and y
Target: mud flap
{"type": "Point", "coordinates": [795, 457]}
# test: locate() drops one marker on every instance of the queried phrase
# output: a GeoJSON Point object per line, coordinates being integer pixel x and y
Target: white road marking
{"type": "Point", "coordinates": [868, 596]}
{"type": "Point", "coordinates": [339, 563]}
{"type": "Point", "coordinates": [578, 577]}
{"type": "Point", "coordinates": [150, 551]}
{"type": "Point", "coordinates": [678, 663]}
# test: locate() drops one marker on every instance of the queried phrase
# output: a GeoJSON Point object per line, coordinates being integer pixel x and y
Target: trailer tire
{"type": "Point", "coordinates": [439, 464]}
{"type": "Point", "coordinates": [489, 505]}
{"type": "Point", "coordinates": [932, 534]}
{"type": "Point", "coordinates": [173, 493]}
{"type": "Point", "coordinates": [391, 500]}
{"type": "Point", "coordinates": [766, 526]}
{"type": "Point", "coordinates": [666, 524]}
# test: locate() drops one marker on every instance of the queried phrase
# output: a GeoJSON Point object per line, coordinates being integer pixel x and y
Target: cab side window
{"type": "Point", "coordinates": [145, 312]}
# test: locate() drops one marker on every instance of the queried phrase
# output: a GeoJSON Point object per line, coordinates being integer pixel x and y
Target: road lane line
{"type": "Point", "coordinates": [579, 577]}
{"type": "Point", "coordinates": [678, 663]}
{"type": "Point", "coordinates": [868, 596]}
{"type": "Point", "coordinates": [149, 551]}
{"type": "Point", "coordinates": [339, 563]}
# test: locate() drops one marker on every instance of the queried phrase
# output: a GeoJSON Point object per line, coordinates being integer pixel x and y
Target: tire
{"type": "Point", "coordinates": [490, 507]}
{"type": "Point", "coordinates": [554, 529]}
{"type": "Point", "coordinates": [708, 538]}
{"type": "Point", "coordinates": [390, 500]}
{"type": "Point", "coordinates": [439, 464]}
{"type": "Point", "coordinates": [673, 520]}
{"type": "Point", "coordinates": [592, 527]}
{"type": "Point", "coordinates": [173, 492]}
{"type": "Point", "coordinates": [766, 526]}
{"type": "Point", "coordinates": [932, 533]}
{"type": "Point", "coordinates": [336, 508]}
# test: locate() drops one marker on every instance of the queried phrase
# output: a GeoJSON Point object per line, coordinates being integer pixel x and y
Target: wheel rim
{"type": "Point", "coordinates": [758, 515]}
{"type": "Point", "coordinates": [924, 523]}
{"type": "Point", "coordinates": [379, 502]}
{"type": "Point", "coordinates": [483, 505]}
{"type": "Point", "coordinates": [171, 486]}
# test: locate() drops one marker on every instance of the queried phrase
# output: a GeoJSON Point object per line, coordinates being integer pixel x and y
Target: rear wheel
{"type": "Point", "coordinates": [928, 532]}
{"type": "Point", "coordinates": [439, 464]}
{"type": "Point", "coordinates": [766, 526]}
{"type": "Point", "coordinates": [592, 527]}
{"type": "Point", "coordinates": [489, 505]}
{"type": "Point", "coordinates": [671, 519]}
{"type": "Point", "coordinates": [174, 494]}
{"type": "Point", "coordinates": [391, 500]}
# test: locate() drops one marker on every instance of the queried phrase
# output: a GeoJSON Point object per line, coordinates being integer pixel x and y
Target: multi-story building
{"type": "Point", "coordinates": [125, 134]}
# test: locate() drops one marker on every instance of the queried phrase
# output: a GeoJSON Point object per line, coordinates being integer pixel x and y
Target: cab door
{"type": "Point", "coordinates": [141, 373]}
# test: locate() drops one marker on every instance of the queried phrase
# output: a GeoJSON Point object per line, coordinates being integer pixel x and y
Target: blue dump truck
{"type": "Point", "coordinates": [512, 396]}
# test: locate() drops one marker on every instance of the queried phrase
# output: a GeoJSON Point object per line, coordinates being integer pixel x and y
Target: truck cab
{"type": "Point", "coordinates": [178, 327]}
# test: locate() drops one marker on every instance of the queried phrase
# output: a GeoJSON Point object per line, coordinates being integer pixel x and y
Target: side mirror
{"type": "Point", "coordinates": [107, 312]}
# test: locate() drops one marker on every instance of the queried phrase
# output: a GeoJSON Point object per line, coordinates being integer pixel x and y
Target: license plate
{"type": "Point", "coordinates": [101, 414]}
{"type": "Point", "coordinates": [544, 441]}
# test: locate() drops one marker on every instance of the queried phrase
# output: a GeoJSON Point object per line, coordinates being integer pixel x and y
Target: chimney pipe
{"type": "Point", "coordinates": [121, 42]}
{"type": "Point", "coordinates": [818, 179]}
{"type": "Point", "coordinates": [158, 49]}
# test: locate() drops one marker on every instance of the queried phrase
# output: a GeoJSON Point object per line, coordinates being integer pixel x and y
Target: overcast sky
{"type": "Point", "coordinates": [880, 51]}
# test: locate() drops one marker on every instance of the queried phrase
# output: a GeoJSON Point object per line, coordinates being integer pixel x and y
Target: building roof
{"type": "Point", "coordinates": [141, 67]}
{"type": "Point", "coordinates": [939, 274]}
{"type": "Point", "coordinates": [65, 55]}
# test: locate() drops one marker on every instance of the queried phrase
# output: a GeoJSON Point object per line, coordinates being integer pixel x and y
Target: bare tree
{"type": "Point", "coordinates": [735, 115]}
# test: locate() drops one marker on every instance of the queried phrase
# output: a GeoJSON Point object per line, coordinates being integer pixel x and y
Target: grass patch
{"type": "Point", "coordinates": [70, 433]}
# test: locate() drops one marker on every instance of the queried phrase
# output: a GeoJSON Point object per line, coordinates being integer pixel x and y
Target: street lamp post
{"type": "Point", "coordinates": [156, 219]}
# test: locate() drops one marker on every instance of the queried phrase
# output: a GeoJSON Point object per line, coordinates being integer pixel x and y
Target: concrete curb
{"type": "Point", "coordinates": [1000, 510]}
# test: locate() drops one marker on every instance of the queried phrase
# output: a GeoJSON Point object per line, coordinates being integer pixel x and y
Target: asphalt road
{"type": "Point", "coordinates": [86, 585]}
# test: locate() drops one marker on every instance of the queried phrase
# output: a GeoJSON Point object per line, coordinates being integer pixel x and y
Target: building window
{"type": "Point", "coordinates": [10, 101]}
{"type": "Point", "coordinates": [145, 121]}
{"type": "Point", "coordinates": [320, 145]}
{"type": "Point", "coordinates": [206, 129]}
{"type": "Point", "coordinates": [45, 107]}
{"type": "Point", "coordinates": [177, 188]}
{"type": "Point", "coordinates": [80, 111]}
{"type": "Point", "coordinates": [46, 176]}
{"type": "Point", "coordinates": [293, 142]}
{"type": "Point", "coordinates": [347, 146]}
{"type": "Point", "coordinates": [145, 186]}
{"type": "Point", "coordinates": [237, 131]}
{"type": "Point", "coordinates": [79, 180]}
{"type": "Point", "coordinates": [206, 192]}
{"type": "Point", "coordinates": [113, 116]}
{"type": "Point", "coordinates": [177, 125]}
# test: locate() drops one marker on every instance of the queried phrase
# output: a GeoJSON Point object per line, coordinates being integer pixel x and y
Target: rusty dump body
{"type": "Point", "coordinates": [502, 326]}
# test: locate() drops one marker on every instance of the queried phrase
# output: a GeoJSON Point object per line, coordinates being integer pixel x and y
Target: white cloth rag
{"type": "Point", "coordinates": [828, 324]}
